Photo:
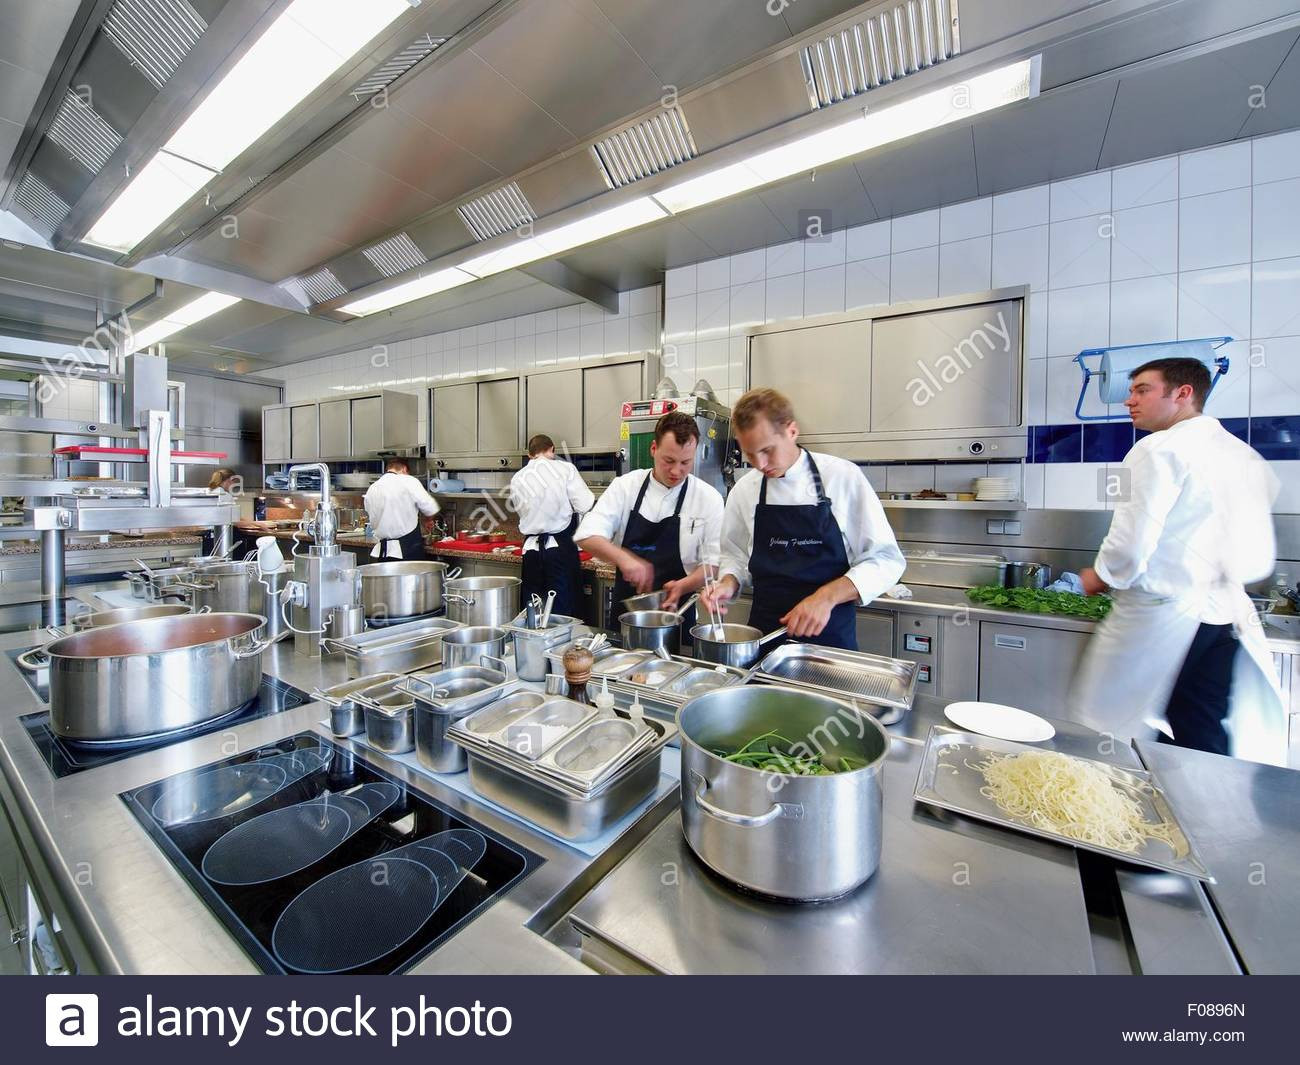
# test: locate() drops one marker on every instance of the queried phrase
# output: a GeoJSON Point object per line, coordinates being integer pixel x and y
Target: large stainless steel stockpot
{"type": "Point", "coordinates": [402, 589]}
{"type": "Point", "coordinates": [223, 588]}
{"type": "Point", "coordinates": [482, 600]}
{"type": "Point", "coordinates": [129, 683]}
{"type": "Point", "coordinates": [791, 837]}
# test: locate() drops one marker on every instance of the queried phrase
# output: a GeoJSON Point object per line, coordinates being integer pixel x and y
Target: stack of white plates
{"type": "Point", "coordinates": [994, 488]}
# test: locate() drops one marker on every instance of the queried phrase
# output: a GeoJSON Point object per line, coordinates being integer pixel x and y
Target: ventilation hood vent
{"type": "Point", "coordinates": [316, 287]}
{"type": "Point", "coordinates": [155, 35]}
{"type": "Point", "coordinates": [383, 76]}
{"type": "Point", "coordinates": [80, 131]}
{"type": "Point", "coordinates": [40, 201]}
{"type": "Point", "coordinates": [395, 255]}
{"type": "Point", "coordinates": [898, 41]}
{"type": "Point", "coordinates": [498, 212]}
{"type": "Point", "coordinates": [648, 147]}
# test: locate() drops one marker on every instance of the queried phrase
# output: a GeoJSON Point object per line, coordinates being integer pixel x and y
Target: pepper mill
{"type": "Point", "coordinates": [577, 671]}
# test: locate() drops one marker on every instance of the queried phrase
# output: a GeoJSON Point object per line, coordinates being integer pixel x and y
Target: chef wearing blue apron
{"type": "Point", "coordinates": [549, 495]}
{"type": "Point", "coordinates": [658, 527]}
{"type": "Point", "coordinates": [805, 530]}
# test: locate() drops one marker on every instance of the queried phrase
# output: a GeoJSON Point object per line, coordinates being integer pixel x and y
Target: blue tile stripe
{"type": "Point", "coordinates": [1273, 438]}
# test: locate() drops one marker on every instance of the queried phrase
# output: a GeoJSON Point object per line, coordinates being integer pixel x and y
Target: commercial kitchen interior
{"type": "Point", "coordinates": [307, 233]}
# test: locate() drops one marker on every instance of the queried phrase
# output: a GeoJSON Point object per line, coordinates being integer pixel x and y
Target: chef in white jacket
{"type": "Point", "coordinates": [394, 504]}
{"type": "Point", "coordinates": [806, 530]}
{"type": "Point", "coordinates": [549, 495]}
{"type": "Point", "coordinates": [1183, 649]}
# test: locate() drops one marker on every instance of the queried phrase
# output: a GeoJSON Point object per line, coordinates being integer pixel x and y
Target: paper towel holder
{"type": "Point", "coordinates": [1121, 359]}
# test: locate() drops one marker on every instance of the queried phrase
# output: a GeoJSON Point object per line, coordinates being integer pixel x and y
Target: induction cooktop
{"type": "Point", "coordinates": [318, 862]}
{"type": "Point", "coordinates": [37, 614]}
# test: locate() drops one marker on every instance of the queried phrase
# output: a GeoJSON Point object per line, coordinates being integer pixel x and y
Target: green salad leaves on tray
{"type": "Point", "coordinates": [1041, 601]}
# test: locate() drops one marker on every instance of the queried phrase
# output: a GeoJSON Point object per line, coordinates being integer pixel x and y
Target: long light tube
{"type": "Point", "coordinates": [195, 311]}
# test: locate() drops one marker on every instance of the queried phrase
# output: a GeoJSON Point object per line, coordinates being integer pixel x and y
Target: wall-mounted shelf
{"type": "Point", "coordinates": [953, 504]}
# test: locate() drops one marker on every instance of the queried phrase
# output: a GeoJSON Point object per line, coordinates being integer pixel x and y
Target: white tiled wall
{"type": "Point", "coordinates": [570, 334]}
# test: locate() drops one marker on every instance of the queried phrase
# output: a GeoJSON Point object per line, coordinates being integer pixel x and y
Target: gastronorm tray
{"type": "Point", "coordinates": [400, 648]}
{"type": "Point", "coordinates": [346, 713]}
{"type": "Point", "coordinates": [889, 682]}
{"type": "Point", "coordinates": [947, 779]}
{"type": "Point", "coordinates": [467, 687]}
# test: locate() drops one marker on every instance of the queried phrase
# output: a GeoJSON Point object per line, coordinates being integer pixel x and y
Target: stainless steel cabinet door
{"type": "Point", "coordinates": [554, 407]}
{"type": "Point", "coordinates": [455, 418]}
{"type": "Point", "coordinates": [604, 391]}
{"type": "Point", "coordinates": [401, 420]}
{"type": "Point", "coordinates": [275, 434]}
{"type": "Point", "coordinates": [304, 442]}
{"type": "Point", "coordinates": [498, 415]}
{"type": "Point", "coordinates": [875, 633]}
{"type": "Point", "coordinates": [336, 429]}
{"type": "Point", "coordinates": [1028, 667]}
{"type": "Point", "coordinates": [367, 416]}
{"type": "Point", "coordinates": [802, 362]}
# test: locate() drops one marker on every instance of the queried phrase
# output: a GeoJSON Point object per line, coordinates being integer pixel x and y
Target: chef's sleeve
{"type": "Point", "coordinates": [1155, 481]}
{"type": "Point", "coordinates": [735, 541]}
{"type": "Point", "coordinates": [580, 497]}
{"type": "Point", "coordinates": [425, 503]}
{"type": "Point", "coordinates": [605, 519]}
{"type": "Point", "coordinates": [875, 562]}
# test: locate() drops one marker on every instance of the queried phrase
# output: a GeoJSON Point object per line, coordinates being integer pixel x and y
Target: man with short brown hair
{"type": "Point", "coordinates": [549, 495]}
{"type": "Point", "coordinates": [658, 527]}
{"type": "Point", "coordinates": [807, 530]}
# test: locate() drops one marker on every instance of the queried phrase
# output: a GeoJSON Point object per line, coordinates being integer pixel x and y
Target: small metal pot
{"type": "Point", "coordinates": [390, 717]}
{"type": "Point", "coordinates": [482, 600]}
{"type": "Point", "coordinates": [1027, 575]}
{"type": "Point", "coordinates": [402, 589]}
{"type": "Point", "coordinates": [344, 621]}
{"type": "Point", "coordinates": [731, 645]}
{"type": "Point", "coordinates": [790, 837]}
{"type": "Point", "coordinates": [651, 630]}
{"type": "Point", "coordinates": [467, 646]}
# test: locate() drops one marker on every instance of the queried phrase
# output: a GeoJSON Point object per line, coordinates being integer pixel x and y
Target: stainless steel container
{"type": "Point", "coordinates": [482, 600]}
{"type": "Point", "coordinates": [389, 713]}
{"type": "Point", "coordinates": [789, 837]}
{"type": "Point", "coordinates": [1027, 575]}
{"type": "Point", "coordinates": [532, 646]}
{"type": "Point", "coordinates": [945, 570]}
{"type": "Point", "coordinates": [466, 646]}
{"type": "Point", "coordinates": [397, 649]}
{"type": "Point", "coordinates": [467, 689]}
{"type": "Point", "coordinates": [402, 589]}
{"type": "Point", "coordinates": [651, 630]}
{"type": "Point", "coordinates": [124, 684]}
{"type": "Point", "coordinates": [347, 715]}
{"type": "Point", "coordinates": [121, 615]}
{"type": "Point", "coordinates": [730, 645]}
{"type": "Point", "coordinates": [223, 588]}
{"type": "Point", "coordinates": [344, 621]}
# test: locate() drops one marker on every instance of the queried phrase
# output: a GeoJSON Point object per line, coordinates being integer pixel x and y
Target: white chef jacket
{"type": "Point", "coordinates": [394, 504]}
{"type": "Point", "coordinates": [875, 561]}
{"type": "Point", "coordinates": [546, 494]}
{"type": "Point", "coordinates": [1194, 519]}
{"type": "Point", "coordinates": [701, 515]}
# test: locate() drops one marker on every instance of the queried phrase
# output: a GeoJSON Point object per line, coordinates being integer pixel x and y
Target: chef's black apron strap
{"type": "Point", "coordinates": [658, 542]}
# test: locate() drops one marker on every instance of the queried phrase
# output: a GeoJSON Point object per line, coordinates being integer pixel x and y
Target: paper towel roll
{"type": "Point", "coordinates": [1118, 363]}
{"type": "Point", "coordinates": [446, 484]}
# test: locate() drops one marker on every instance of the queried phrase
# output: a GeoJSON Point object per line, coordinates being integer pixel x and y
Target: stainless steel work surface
{"type": "Point", "coordinates": [949, 896]}
{"type": "Point", "coordinates": [1245, 820]}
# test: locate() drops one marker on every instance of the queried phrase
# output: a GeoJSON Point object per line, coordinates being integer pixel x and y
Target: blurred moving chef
{"type": "Point", "coordinates": [549, 495]}
{"type": "Point", "coordinates": [1193, 524]}
{"type": "Point", "coordinates": [659, 526]}
{"type": "Point", "coordinates": [805, 529]}
{"type": "Point", "coordinates": [394, 504]}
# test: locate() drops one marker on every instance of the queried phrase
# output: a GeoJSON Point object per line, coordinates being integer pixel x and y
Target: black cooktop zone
{"type": "Point", "coordinates": [37, 614]}
{"type": "Point", "coordinates": [400, 880]}
{"type": "Point", "coordinates": [65, 758]}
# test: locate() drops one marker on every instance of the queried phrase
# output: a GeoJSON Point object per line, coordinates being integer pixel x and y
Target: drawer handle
{"type": "Point", "coordinates": [1015, 643]}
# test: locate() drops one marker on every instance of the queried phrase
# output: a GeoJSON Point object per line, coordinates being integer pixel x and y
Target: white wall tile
{"type": "Point", "coordinates": [1079, 251]}
{"type": "Point", "coordinates": [1155, 181]}
{"type": "Point", "coordinates": [1022, 208]}
{"type": "Point", "coordinates": [914, 275]}
{"type": "Point", "coordinates": [1231, 396]}
{"type": "Point", "coordinates": [679, 364]}
{"type": "Point", "coordinates": [565, 318]}
{"type": "Point", "coordinates": [547, 347]}
{"type": "Point", "coordinates": [827, 251]}
{"type": "Point", "coordinates": [643, 334]}
{"type": "Point", "coordinates": [868, 242]}
{"type": "Point", "coordinates": [961, 221]}
{"type": "Point", "coordinates": [1036, 325]}
{"type": "Point", "coordinates": [643, 301]}
{"type": "Point", "coordinates": [1276, 157]}
{"type": "Point", "coordinates": [823, 291]}
{"type": "Point", "coordinates": [909, 478]}
{"type": "Point", "coordinates": [1275, 213]}
{"type": "Point", "coordinates": [965, 266]}
{"type": "Point", "coordinates": [1078, 318]}
{"type": "Point", "coordinates": [1145, 241]}
{"type": "Point", "coordinates": [591, 341]}
{"type": "Point", "coordinates": [1275, 308]}
{"type": "Point", "coordinates": [1036, 391]}
{"type": "Point", "coordinates": [784, 298]}
{"type": "Point", "coordinates": [1226, 166]}
{"type": "Point", "coordinates": [957, 476]}
{"type": "Point", "coordinates": [785, 259]}
{"type": "Point", "coordinates": [915, 231]}
{"type": "Point", "coordinates": [1274, 377]}
{"type": "Point", "coordinates": [737, 347]}
{"type": "Point", "coordinates": [679, 318]}
{"type": "Point", "coordinates": [1062, 391]}
{"type": "Point", "coordinates": [1034, 478]}
{"type": "Point", "coordinates": [591, 314]}
{"type": "Point", "coordinates": [526, 351]}
{"type": "Point", "coordinates": [1214, 302]}
{"type": "Point", "coordinates": [875, 476]}
{"type": "Point", "coordinates": [1020, 257]}
{"type": "Point", "coordinates": [747, 266]}
{"type": "Point", "coordinates": [1080, 196]}
{"type": "Point", "coordinates": [1214, 230]}
{"type": "Point", "coordinates": [712, 362]}
{"type": "Point", "coordinates": [617, 332]}
{"type": "Point", "coordinates": [712, 314]}
{"type": "Point", "coordinates": [1144, 310]}
{"type": "Point", "coordinates": [866, 283]}
{"type": "Point", "coordinates": [713, 273]}
{"type": "Point", "coordinates": [1288, 499]}
{"type": "Point", "coordinates": [748, 307]}
{"type": "Point", "coordinates": [679, 280]}
{"type": "Point", "coordinates": [1073, 486]}
{"type": "Point", "coordinates": [566, 344]}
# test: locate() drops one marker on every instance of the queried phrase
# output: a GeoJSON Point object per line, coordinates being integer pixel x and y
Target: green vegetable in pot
{"type": "Point", "coordinates": [773, 753]}
{"type": "Point", "coordinates": [1041, 601]}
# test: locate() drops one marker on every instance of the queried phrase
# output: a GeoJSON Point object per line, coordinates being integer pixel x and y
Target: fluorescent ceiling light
{"type": "Point", "coordinates": [868, 130]}
{"type": "Point", "coordinates": [302, 49]}
{"type": "Point", "coordinates": [153, 195]}
{"type": "Point", "coordinates": [437, 281]}
{"type": "Point", "coordinates": [195, 311]}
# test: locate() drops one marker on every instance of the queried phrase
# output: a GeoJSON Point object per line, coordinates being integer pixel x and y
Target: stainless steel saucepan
{"type": "Point", "coordinates": [731, 645]}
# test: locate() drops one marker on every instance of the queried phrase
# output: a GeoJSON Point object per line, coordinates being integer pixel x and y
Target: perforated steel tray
{"type": "Point", "coordinates": [874, 679]}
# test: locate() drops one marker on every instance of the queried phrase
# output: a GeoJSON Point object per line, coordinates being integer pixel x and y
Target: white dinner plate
{"type": "Point", "coordinates": [1004, 722]}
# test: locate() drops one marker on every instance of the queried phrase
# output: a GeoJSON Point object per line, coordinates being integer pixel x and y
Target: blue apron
{"type": "Point", "coordinates": [796, 549]}
{"type": "Point", "coordinates": [658, 542]}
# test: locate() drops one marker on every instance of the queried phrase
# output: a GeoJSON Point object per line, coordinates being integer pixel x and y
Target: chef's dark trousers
{"type": "Point", "coordinates": [1198, 705]}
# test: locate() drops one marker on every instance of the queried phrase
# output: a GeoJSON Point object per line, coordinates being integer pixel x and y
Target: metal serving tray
{"type": "Point", "coordinates": [875, 679]}
{"type": "Point", "coordinates": [947, 780]}
{"type": "Point", "coordinates": [467, 688]}
{"type": "Point", "coordinates": [400, 648]}
{"type": "Point", "coordinates": [532, 735]}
